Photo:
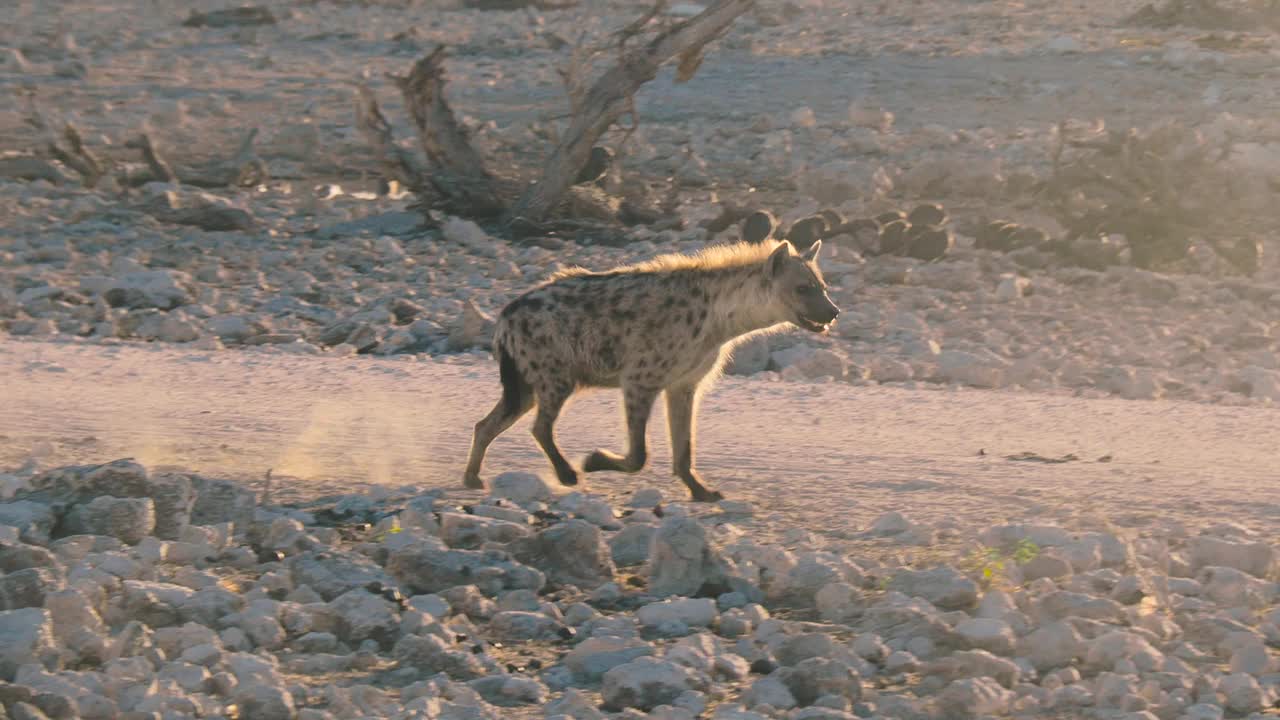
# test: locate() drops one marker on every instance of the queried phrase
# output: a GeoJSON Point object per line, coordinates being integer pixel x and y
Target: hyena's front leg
{"type": "Point", "coordinates": [682, 403]}
{"type": "Point", "coordinates": [551, 399]}
{"type": "Point", "coordinates": [638, 401]}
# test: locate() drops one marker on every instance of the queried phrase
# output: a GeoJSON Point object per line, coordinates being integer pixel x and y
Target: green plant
{"type": "Point", "coordinates": [988, 563]}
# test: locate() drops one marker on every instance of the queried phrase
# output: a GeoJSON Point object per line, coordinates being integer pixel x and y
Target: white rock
{"type": "Point", "coordinates": [943, 586]}
{"type": "Point", "coordinates": [682, 559]}
{"type": "Point", "coordinates": [1252, 659]}
{"type": "Point", "coordinates": [521, 488]}
{"type": "Point", "coordinates": [1203, 711]}
{"type": "Point", "coordinates": [987, 634]}
{"type": "Point", "coordinates": [749, 357]}
{"type": "Point", "coordinates": [33, 520]}
{"type": "Point", "coordinates": [1042, 535]}
{"type": "Point", "coordinates": [1243, 694]}
{"type": "Point", "coordinates": [1107, 650]}
{"type": "Point", "coordinates": [984, 370]}
{"type": "Point", "coordinates": [645, 498]}
{"type": "Point", "coordinates": [26, 636]}
{"type": "Point", "coordinates": [811, 363]}
{"type": "Point", "coordinates": [1234, 588]}
{"type": "Point", "coordinates": [975, 697]}
{"type": "Point", "coordinates": [127, 519]}
{"type": "Point", "coordinates": [695, 612]}
{"type": "Point", "coordinates": [900, 661]}
{"type": "Point", "coordinates": [646, 683]}
{"type": "Point", "coordinates": [1257, 559]}
{"type": "Point", "coordinates": [462, 530]}
{"type": "Point", "coordinates": [870, 647]}
{"type": "Point", "coordinates": [268, 702]}
{"type": "Point", "coordinates": [469, 235]}
{"type": "Point", "coordinates": [837, 602]}
{"type": "Point", "coordinates": [631, 545]}
{"type": "Point", "coordinates": [515, 625]}
{"type": "Point", "coordinates": [890, 523]}
{"type": "Point", "coordinates": [473, 329]}
{"type": "Point", "coordinates": [595, 656]}
{"type": "Point", "coordinates": [1052, 645]}
{"type": "Point", "coordinates": [975, 664]}
{"type": "Point", "coordinates": [1062, 604]}
{"type": "Point", "coordinates": [1045, 565]}
{"type": "Point", "coordinates": [771, 691]}
{"type": "Point", "coordinates": [365, 616]}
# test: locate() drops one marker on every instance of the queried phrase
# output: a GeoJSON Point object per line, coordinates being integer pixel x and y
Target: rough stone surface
{"type": "Point", "coordinates": [945, 587]}
{"type": "Point", "coordinates": [572, 553]}
{"type": "Point", "coordinates": [26, 636]}
{"type": "Point", "coordinates": [682, 559]}
{"type": "Point", "coordinates": [646, 683]}
{"type": "Point", "coordinates": [126, 519]}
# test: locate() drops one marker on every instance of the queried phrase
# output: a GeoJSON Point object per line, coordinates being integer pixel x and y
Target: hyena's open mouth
{"type": "Point", "coordinates": [812, 326]}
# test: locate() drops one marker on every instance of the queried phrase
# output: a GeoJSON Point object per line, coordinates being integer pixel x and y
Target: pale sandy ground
{"type": "Point", "coordinates": [825, 458]}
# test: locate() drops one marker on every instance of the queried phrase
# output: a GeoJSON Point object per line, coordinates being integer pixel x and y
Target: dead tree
{"type": "Point", "coordinates": [456, 173]}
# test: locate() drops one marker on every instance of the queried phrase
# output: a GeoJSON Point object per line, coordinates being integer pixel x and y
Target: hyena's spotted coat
{"type": "Point", "coordinates": [664, 325]}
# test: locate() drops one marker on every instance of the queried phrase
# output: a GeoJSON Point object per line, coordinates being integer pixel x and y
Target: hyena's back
{"type": "Point", "coordinates": [602, 329]}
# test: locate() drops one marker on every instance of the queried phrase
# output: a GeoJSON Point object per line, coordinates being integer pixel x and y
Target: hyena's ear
{"type": "Point", "coordinates": [778, 258]}
{"type": "Point", "coordinates": [811, 255]}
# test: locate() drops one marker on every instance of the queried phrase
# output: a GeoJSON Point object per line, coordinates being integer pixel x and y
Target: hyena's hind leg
{"type": "Point", "coordinates": [682, 403]}
{"type": "Point", "coordinates": [517, 399]}
{"type": "Point", "coordinates": [498, 421]}
{"type": "Point", "coordinates": [551, 399]}
{"type": "Point", "coordinates": [638, 402]}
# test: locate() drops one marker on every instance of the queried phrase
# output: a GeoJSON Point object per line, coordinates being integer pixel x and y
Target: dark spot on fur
{"type": "Point", "coordinates": [524, 302]}
{"type": "Point", "coordinates": [688, 317]}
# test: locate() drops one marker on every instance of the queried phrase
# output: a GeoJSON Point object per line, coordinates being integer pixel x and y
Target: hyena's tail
{"type": "Point", "coordinates": [513, 385]}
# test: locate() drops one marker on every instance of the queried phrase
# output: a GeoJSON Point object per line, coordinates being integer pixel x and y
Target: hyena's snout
{"type": "Point", "coordinates": [828, 313]}
{"type": "Point", "coordinates": [818, 314]}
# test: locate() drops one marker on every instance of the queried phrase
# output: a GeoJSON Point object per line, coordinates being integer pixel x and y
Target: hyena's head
{"type": "Point", "coordinates": [798, 290]}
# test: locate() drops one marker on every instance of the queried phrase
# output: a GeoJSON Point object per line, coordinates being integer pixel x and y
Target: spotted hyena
{"type": "Point", "coordinates": [666, 325]}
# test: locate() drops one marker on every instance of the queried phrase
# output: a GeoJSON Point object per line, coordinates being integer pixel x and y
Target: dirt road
{"type": "Point", "coordinates": [826, 458]}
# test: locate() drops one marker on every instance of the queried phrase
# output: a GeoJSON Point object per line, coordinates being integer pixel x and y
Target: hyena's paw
{"type": "Point", "coordinates": [567, 476]}
{"type": "Point", "coordinates": [603, 460]}
{"type": "Point", "coordinates": [473, 481]}
{"type": "Point", "coordinates": [706, 495]}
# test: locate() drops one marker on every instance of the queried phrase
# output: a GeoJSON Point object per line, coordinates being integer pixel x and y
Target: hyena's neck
{"type": "Point", "coordinates": [738, 298]}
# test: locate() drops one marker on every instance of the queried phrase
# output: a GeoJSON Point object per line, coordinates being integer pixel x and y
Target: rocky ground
{"type": "Point", "coordinates": [136, 594]}
{"type": "Point", "coordinates": [887, 554]}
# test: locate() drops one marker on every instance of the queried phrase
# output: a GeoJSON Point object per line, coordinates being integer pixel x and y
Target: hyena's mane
{"type": "Point", "coordinates": [715, 257]}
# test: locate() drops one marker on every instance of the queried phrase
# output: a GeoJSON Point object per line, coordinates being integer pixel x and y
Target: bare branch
{"type": "Point", "coordinates": [459, 172]}
{"type": "Point", "coordinates": [609, 98]}
{"type": "Point", "coordinates": [75, 155]}
{"type": "Point", "coordinates": [160, 168]}
{"type": "Point", "coordinates": [396, 162]}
